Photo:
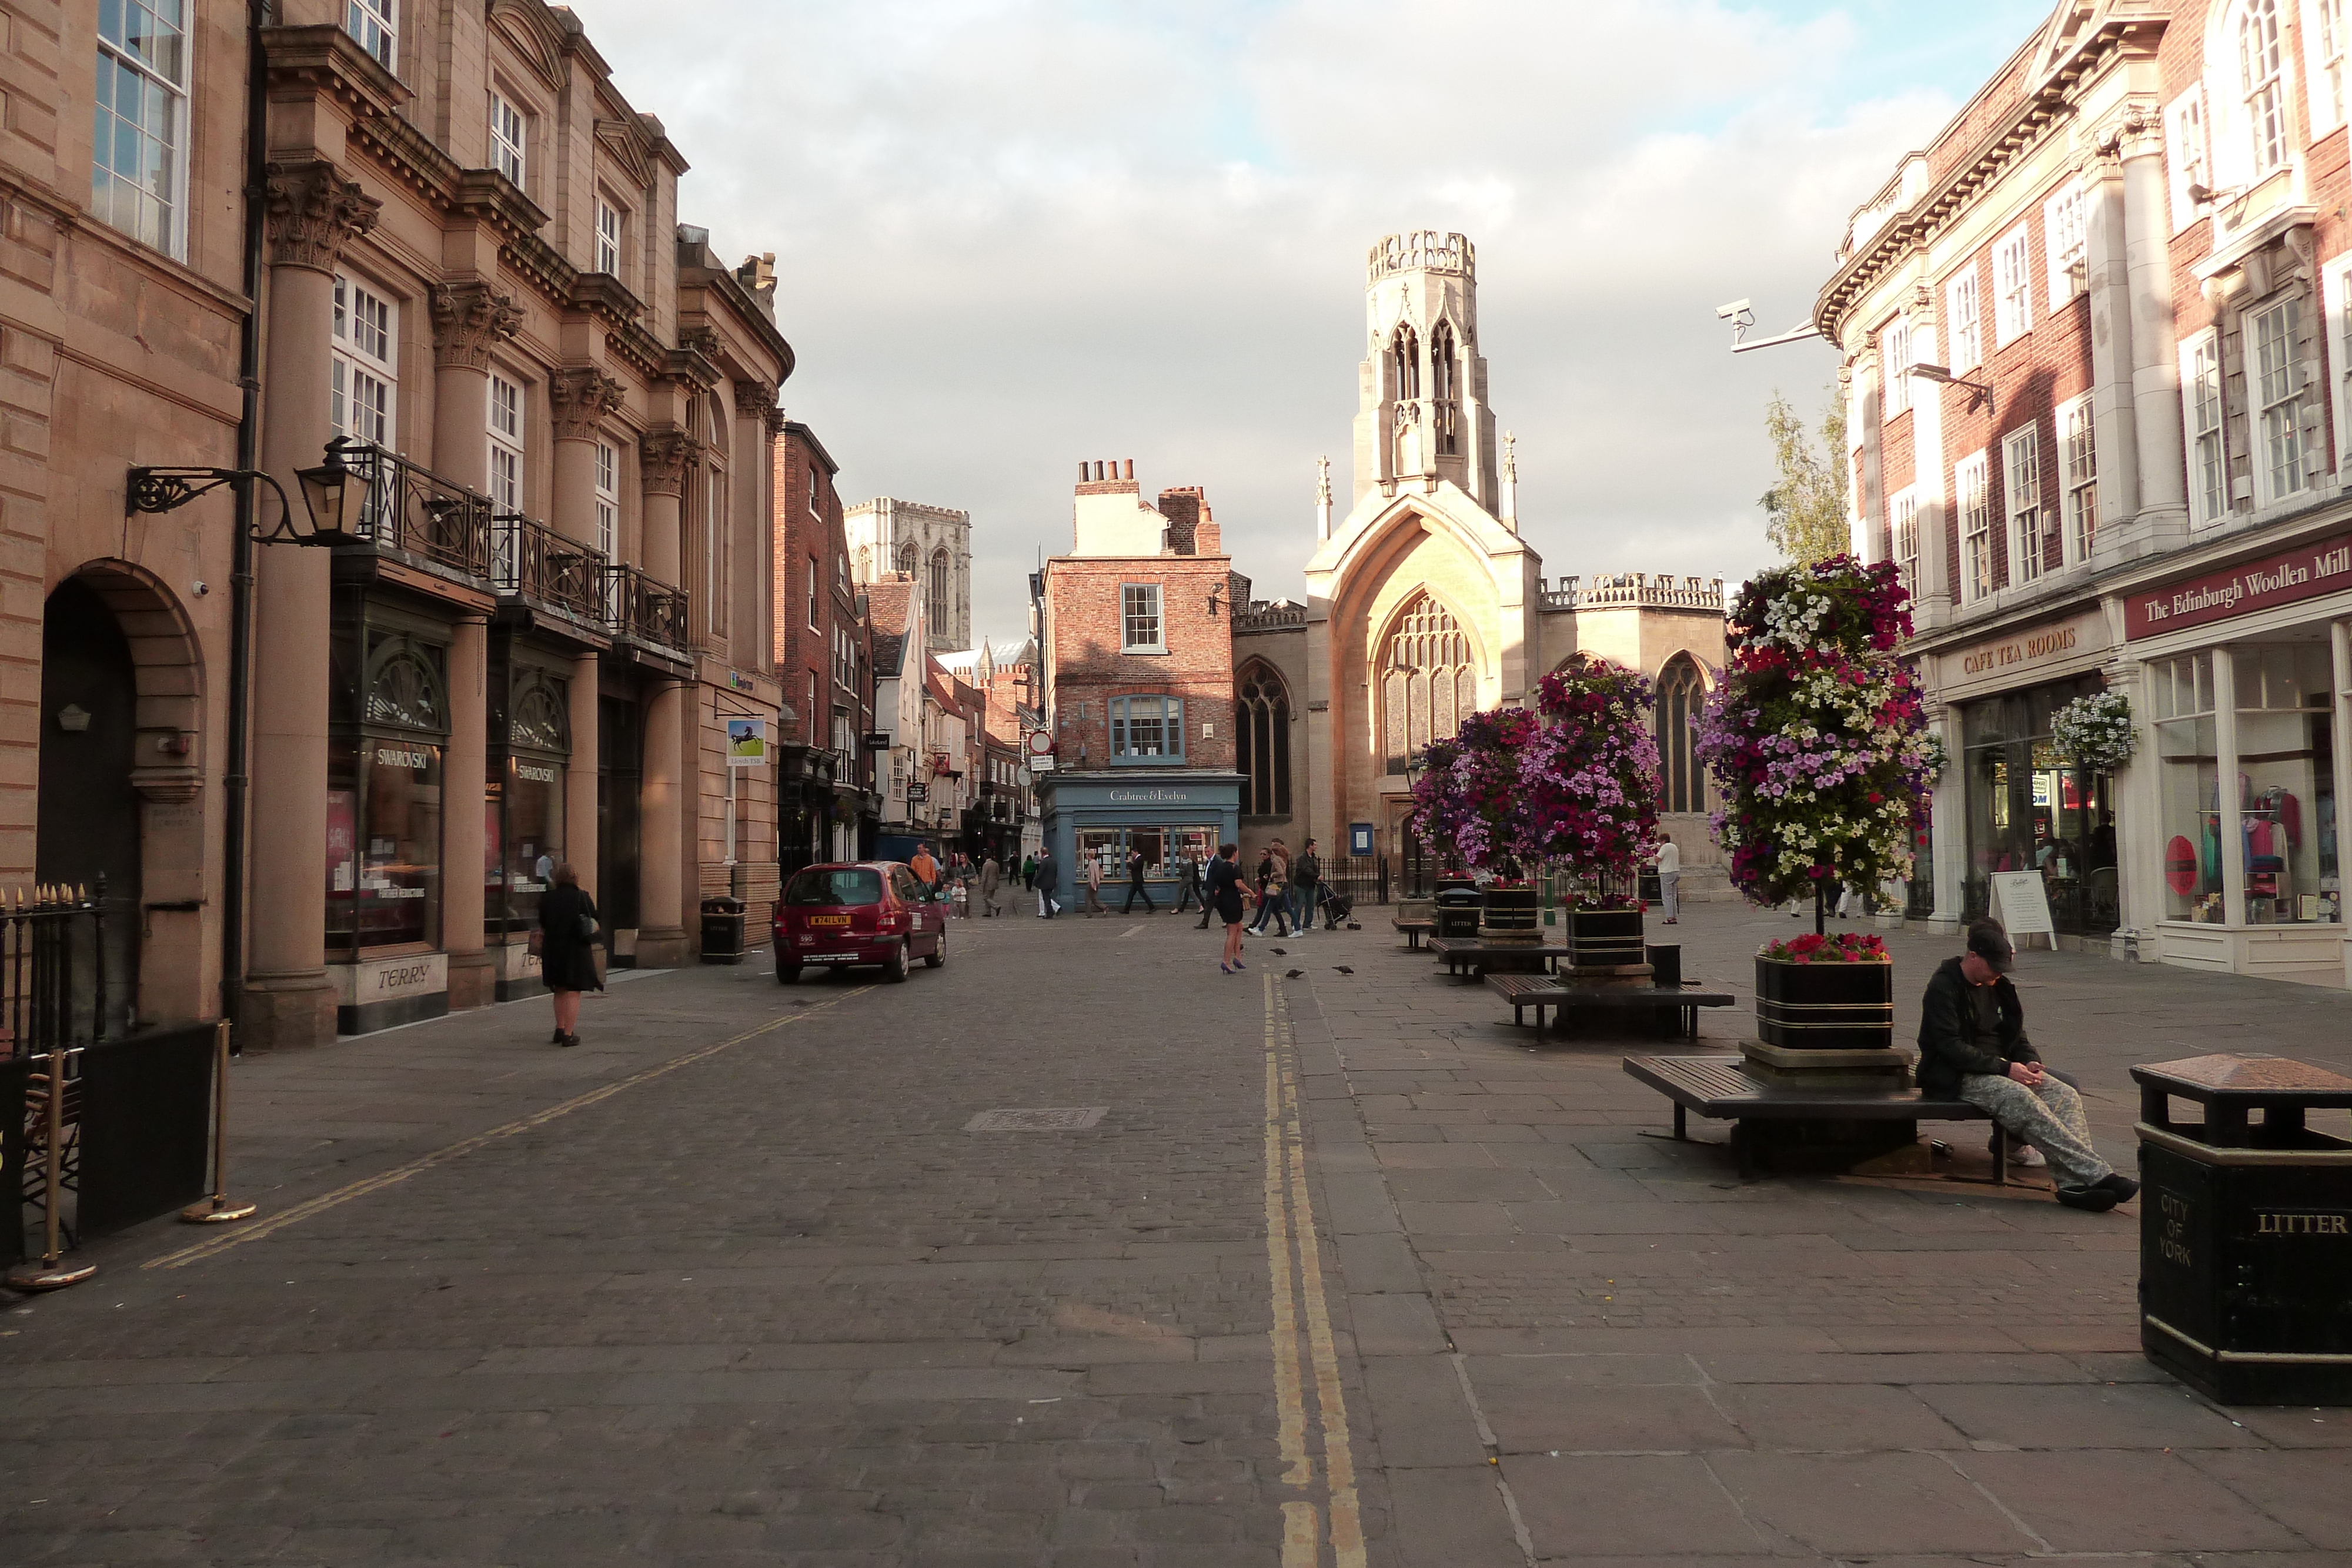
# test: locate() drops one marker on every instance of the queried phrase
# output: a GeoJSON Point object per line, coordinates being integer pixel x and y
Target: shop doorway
{"type": "Point", "coordinates": [87, 811]}
{"type": "Point", "coordinates": [619, 771]}
{"type": "Point", "coordinates": [2028, 808]}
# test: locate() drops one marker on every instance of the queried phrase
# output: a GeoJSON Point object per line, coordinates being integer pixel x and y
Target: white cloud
{"type": "Point", "coordinates": [1012, 234]}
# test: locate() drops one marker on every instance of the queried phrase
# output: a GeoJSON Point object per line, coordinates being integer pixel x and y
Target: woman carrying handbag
{"type": "Point", "coordinates": [566, 943]}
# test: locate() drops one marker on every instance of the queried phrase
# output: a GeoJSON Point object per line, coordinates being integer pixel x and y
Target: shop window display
{"type": "Point", "coordinates": [2188, 749]}
{"type": "Point", "coordinates": [1161, 847]}
{"type": "Point", "coordinates": [2286, 782]}
{"type": "Point", "coordinates": [384, 845]}
{"type": "Point", "coordinates": [2028, 808]}
{"type": "Point", "coordinates": [525, 824]}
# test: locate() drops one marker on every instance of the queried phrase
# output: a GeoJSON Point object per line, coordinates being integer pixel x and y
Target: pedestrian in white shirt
{"type": "Point", "coordinates": [1669, 860]}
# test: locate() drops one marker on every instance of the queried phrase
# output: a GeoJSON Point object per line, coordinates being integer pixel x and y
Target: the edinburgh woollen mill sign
{"type": "Point", "coordinates": [2286, 578]}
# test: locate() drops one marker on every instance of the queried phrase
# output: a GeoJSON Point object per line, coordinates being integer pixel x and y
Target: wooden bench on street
{"type": "Point", "coordinates": [1678, 1005]}
{"type": "Point", "coordinates": [1469, 956]}
{"type": "Point", "coordinates": [1414, 930]}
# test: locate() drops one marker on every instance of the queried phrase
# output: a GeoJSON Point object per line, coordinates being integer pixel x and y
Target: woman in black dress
{"type": "Point", "coordinates": [569, 927]}
{"type": "Point", "coordinates": [1225, 883]}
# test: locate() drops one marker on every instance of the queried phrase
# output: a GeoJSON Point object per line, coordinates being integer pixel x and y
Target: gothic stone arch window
{"type": "Point", "coordinates": [941, 609]}
{"type": "Point", "coordinates": [1445, 386]}
{"type": "Point", "coordinates": [907, 556]}
{"type": "Point", "coordinates": [1404, 357]}
{"type": "Point", "coordinates": [1264, 729]}
{"type": "Point", "coordinates": [1428, 682]}
{"type": "Point", "coordinates": [1681, 695]}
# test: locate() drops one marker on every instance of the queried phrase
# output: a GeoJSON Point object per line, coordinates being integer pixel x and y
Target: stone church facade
{"type": "Point", "coordinates": [931, 546]}
{"type": "Point", "coordinates": [1424, 603]}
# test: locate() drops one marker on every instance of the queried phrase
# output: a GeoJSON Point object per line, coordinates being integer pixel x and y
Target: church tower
{"type": "Point", "coordinates": [1421, 412]}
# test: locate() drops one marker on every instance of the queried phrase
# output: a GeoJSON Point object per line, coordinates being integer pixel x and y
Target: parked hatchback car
{"type": "Point", "coordinates": [854, 913]}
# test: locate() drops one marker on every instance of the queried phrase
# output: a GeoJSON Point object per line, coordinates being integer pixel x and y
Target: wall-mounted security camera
{"type": "Point", "coordinates": [200, 588]}
{"type": "Point", "coordinates": [1737, 308]}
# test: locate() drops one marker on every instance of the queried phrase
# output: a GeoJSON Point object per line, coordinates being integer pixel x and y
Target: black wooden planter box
{"type": "Point", "coordinates": [1604, 938]}
{"type": "Point", "coordinates": [1510, 906]}
{"type": "Point", "coordinates": [1825, 1006]}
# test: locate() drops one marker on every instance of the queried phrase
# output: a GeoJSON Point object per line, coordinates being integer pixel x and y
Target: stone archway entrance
{"type": "Point", "coordinates": [121, 694]}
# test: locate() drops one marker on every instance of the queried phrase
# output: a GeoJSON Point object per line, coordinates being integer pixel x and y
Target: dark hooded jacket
{"type": "Point", "coordinates": [1947, 1032]}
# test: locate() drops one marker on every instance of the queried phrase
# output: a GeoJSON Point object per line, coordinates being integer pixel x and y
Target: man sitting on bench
{"type": "Point", "coordinates": [1972, 1047]}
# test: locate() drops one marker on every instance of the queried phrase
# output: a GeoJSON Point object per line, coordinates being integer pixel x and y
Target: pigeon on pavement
{"type": "Point", "coordinates": [1343, 968]}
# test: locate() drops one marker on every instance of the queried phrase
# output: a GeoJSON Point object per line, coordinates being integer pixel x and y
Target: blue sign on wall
{"type": "Point", "coordinates": [1359, 838]}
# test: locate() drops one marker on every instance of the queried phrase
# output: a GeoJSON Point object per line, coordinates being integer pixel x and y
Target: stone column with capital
{"type": "Point", "coordinates": [580, 815]}
{"type": "Point", "coordinates": [465, 820]}
{"type": "Point", "coordinates": [470, 320]}
{"type": "Point", "coordinates": [312, 211]}
{"type": "Point", "coordinates": [581, 398]}
{"type": "Point", "coordinates": [663, 458]}
{"type": "Point", "coordinates": [2113, 411]}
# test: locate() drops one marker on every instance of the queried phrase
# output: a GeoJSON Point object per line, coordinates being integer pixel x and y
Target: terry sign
{"type": "Point", "coordinates": [2305, 573]}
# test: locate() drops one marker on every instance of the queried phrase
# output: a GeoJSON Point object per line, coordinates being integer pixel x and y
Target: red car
{"type": "Point", "coordinates": [854, 913]}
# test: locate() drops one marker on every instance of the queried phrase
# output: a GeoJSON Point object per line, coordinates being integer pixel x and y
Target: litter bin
{"type": "Point", "coordinates": [1458, 904]}
{"type": "Point", "coordinates": [2245, 1231]}
{"type": "Point", "coordinates": [722, 930]}
{"type": "Point", "coordinates": [1665, 959]}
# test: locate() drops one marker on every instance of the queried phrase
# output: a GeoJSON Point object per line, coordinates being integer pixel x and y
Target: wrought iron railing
{"type": "Point", "coordinates": [531, 559]}
{"type": "Point", "coordinates": [647, 609]}
{"type": "Point", "coordinates": [411, 510]}
{"type": "Point", "coordinates": [52, 969]}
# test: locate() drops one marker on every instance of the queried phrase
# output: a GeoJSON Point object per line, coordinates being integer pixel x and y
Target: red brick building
{"type": "Point", "coordinates": [1136, 647]}
{"type": "Point", "coordinates": [822, 661]}
{"type": "Point", "coordinates": [2096, 346]}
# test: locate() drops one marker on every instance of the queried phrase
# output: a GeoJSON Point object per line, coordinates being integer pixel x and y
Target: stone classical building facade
{"type": "Point", "coordinates": [928, 546]}
{"type": "Point", "coordinates": [464, 264]}
{"type": "Point", "coordinates": [2095, 338]}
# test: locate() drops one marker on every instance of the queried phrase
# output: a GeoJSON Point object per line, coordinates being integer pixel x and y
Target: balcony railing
{"type": "Point", "coordinates": [414, 510]}
{"type": "Point", "coordinates": [1636, 590]}
{"type": "Point", "coordinates": [1263, 614]}
{"type": "Point", "coordinates": [650, 611]}
{"type": "Point", "coordinates": [530, 559]}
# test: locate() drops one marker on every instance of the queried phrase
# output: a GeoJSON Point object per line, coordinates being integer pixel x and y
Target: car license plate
{"type": "Point", "coordinates": [828, 958]}
{"type": "Point", "coordinates": [828, 920]}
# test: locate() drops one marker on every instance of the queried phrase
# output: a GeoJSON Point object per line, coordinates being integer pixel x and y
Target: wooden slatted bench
{"type": "Point", "coordinates": [1466, 957]}
{"type": "Point", "coordinates": [1715, 1087]}
{"type": "Point", "coordinates": [1414, 930]}
{"type": "Point", "coordinates": [1680, 1004]}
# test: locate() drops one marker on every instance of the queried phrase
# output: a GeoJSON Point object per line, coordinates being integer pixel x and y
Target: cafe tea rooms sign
{"type": "Point", "coordinates": [2306, 572]}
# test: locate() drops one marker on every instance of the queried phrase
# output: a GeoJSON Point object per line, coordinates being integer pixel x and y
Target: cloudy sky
{"type": "Point", "coordinates": [1014, 233]}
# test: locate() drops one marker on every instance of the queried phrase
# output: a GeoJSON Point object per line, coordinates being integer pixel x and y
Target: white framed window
{"type": "Point", "coordinates": [1972, 489]}
{"type": "Point", "coordinates": [2262, 84]}
{"type": "Point", "coordinates": [2064, 247]}
{"type": "Point", "coordinates": [813, 573]}
{"type": "Point", "coordinates": [2012, 287]}
{"type": "Point", "coordinates": [1965, 319]}
{"type": "Point", "coordinates": [2200, 407]}
{"type": "Point", "coordinates": [506, 443]}
{"type": "Point", "coordinates": [2338, 303]}
{"type": "Point", "coordinates": [608, 237]}
{"type": "Point", "coordinates": [2323, 53]}
{"type": "Point", "coordinates": [139, 154]}
{"type": "Point", "coordinates": [510, 136]}
{"type": "Point", "coordinates": [374, 23]}
{"type": "Point", "coordinates": [2020, 473]}
{"type": "Point", "coordinates": [1903, 513]}
{"type": "Point", "coordinates": [608, 499]}
{"type": "Point", "coordinates": [362, 379]}
{"type": "Point", "coordinates": [1894, 369]}
{"type": "Point", "coordinates": [816, 495]}
{"type": "Point", "coordinates": [2276, 374]}
{"type": "Point", "coordinates": [1147, 729]}
{"type": "Point", "coordinates": [2190, 161]}
{"type": "Point", "coordinates": [1139, 614]}
{"type": "Point", "coordinates": [2078, 460]}
{"type": "Point", "coordinates": [714, 549]}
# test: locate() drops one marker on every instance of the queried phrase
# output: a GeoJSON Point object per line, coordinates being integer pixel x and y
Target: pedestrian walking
{"type": "Point", "coordinates": [1272, 903]}
{"type": "Point", "coordinates": [1305, 885]}
{"type": "Point", "coordinates": [1189, 870]}
{"type": "Point", "coordinates": [1669, 862]}
{"type": "Point", "coordinates": [992, 877]}
{"type": "Point", "coordinates": [1047, 878]}
{"type": "Point", "coordinates": [1135, 887]}
{"type": "Point", "coordinates": [924, 866]}
{"type": "Point", "coordinates": [1972, 1046]}
{"type": "Point", "coordinates": [1225, 884]}
{"type": "Point", "coordinates": [1095, 904]}
{"type": "Point", "coordinates": [1029, 872]}
{"type": "Point", "coordinates": [567, 935]}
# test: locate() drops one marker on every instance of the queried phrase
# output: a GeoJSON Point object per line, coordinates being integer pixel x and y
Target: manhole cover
{"type": "Point", "coordinates": [1049, 1119]}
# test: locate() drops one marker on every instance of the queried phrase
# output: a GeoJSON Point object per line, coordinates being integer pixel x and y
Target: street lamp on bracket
{"type": "Point", "coordinates": [334, 496]}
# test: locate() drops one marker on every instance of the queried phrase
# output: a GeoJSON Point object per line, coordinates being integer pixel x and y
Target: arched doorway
{"type": "Point", "coordinates": [86, 830]}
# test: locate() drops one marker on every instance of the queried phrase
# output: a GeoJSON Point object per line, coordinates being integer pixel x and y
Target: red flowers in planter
{"type": "Point", "coordinates": [1837, 948]}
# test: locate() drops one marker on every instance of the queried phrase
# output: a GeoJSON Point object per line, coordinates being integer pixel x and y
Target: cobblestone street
{"type": "Point", "coordinates": [739, 1281]}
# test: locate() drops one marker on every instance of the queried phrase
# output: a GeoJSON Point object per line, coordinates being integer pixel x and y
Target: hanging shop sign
{"type": "Point", "coordinates": [747, 742]}
{"type": "Point", "coordinates": [2289, 577]}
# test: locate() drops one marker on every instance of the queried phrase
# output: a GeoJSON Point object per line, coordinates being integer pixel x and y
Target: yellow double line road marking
{"type": "Point", "coordinates": [277, 1222]}
{"type": "Point", "coordinates": [1298, 1296]}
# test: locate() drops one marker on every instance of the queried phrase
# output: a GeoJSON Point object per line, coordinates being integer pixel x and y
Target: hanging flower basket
{"type": "Point", "coordinates": [2094, 733]}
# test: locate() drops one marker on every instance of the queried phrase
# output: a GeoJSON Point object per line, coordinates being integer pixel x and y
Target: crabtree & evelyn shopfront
{"type": "Point", "coordinates": [2245, 675]}
{"type": "Point", "coordinates": [1165, 817]}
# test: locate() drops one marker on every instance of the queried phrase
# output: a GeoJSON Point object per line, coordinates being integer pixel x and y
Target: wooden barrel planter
{"type": "Point", "coordinates": [1605, 938]}
{"type": "Point", "coordinates": [1825, 1006]}
{"type": "Point", "coordinates": [1511, 913]}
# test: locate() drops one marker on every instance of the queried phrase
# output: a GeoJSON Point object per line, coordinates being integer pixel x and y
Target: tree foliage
{"type": "Point", "coordinates": [1805, 511]}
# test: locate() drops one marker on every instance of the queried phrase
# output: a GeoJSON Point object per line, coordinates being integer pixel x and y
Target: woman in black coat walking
{"type": "Point", "coordinates": [568, 926]}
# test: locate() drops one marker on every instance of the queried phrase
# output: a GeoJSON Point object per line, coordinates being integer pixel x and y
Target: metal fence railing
{"type": "Point", "coordinates": [52, 969]}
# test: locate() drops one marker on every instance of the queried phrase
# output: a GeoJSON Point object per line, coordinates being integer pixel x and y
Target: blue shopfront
{"type": "Point", "coordinates": [1165, 816]}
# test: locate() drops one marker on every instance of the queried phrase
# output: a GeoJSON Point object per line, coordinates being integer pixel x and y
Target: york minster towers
{"type": "Point", "coordinates": [1421, 412]}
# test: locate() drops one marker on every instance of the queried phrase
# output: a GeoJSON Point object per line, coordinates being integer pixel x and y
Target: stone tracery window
{"type": "Point", "coordinates": [906, 558]}
{"type": "Point", "coordinates": [1445, 388]}
{"type": "Point", "coordinates": [940, 617]}
{"type": "Point", "coordinates": [1404, 355]}
{"type": "Point", "coordinates": [1428, 682]}
{"type": "Point", "coordinates": [1682, 694]}
{"type": "Point", "coordinates": [1261, 724]}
